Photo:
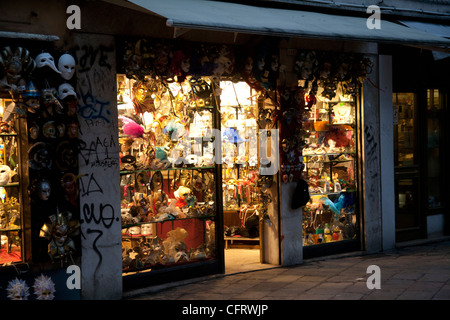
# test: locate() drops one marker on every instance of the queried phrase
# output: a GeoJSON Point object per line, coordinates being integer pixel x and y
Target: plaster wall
{"type": "Point", "coordinates": [370, 161]}
{"type": "Point", "coordinates": [387, 153]}
{"type": "Point", "coordinates": [101, 262]}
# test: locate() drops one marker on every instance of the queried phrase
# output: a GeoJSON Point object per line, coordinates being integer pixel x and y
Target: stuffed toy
{"type": "Point", "coordinates": [174, 243]}
{"type": "Point", "coordinates": [184, 198]}
{"type": "Point", "coordinates": [171, 212]}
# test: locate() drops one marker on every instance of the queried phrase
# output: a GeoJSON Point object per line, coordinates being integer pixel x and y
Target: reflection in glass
{"type": "Point", "coordinates": [404, 131]}
{"type": "Point", "coordinates": [434, 110]}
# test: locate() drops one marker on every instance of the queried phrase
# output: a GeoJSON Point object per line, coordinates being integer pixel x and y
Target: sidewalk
{"type": "Point", "coordinates": [420, 272]}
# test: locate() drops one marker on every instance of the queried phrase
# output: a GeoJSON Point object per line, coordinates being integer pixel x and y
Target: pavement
{"type": "Point", "coordinates": [415, 272]}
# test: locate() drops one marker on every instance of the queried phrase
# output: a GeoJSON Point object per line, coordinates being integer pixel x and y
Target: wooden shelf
{"type": "Point", "coordinates": [166, 169]}
{"type": "Point", "coordinates": [230, 240]}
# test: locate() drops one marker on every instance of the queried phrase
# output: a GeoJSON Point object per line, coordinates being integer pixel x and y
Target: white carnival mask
{"type": "Point", "coordinates": [66, 65]}
{"type": "Point", "coordinates": [5, 174]}
{"type": "Point", "coordinates": [45, 59]}
{"type": "Point", "coordinates": [66, 90]}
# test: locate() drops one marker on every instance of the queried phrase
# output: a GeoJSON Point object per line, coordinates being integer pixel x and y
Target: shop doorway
{"type": "Point", "coordinates": [409, 218]}
{"type": "Point", "coordinates": [241, 206]}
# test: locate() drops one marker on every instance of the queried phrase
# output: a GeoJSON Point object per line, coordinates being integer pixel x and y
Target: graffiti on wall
{"type": "Point", "coordinates": [100, 212]}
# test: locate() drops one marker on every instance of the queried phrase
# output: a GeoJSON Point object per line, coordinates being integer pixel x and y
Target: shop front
{"type": "Point", "coordinates": [210, 136]}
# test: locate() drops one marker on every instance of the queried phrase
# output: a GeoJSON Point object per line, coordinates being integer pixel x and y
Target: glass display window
{"type": "Point", "coordinates": [329, 156]}
{"type": "Point", "coordinates": [167, 172]}
{"type": "Point", "coordinates": [11, 249]}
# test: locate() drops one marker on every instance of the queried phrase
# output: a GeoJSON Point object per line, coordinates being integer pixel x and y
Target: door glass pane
{"type": "Point", "coordinates": [404, 129]}
{"type": "Point", "coordinates": [434, 110]}
{"type": "Point", "coordinates": [407, 215]}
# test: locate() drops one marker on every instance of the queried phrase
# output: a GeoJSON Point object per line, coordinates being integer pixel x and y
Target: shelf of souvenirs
{"type": "Point", "coordinates": [10, 228]}
{"type": "Point", "coordinates": [172, 219]}
{"type": "Point", "coordinates": [345, 154]}
{"type": "Point", "coordinates": [197, 105]}
{"type": "Point", "coordinates": [8, 134]}
{"type": "Point", "coordinates": [316, 126]}
{"type": "Point", "coordinates": [330, 193]}
{"type": "Point", "coordinates": [11, 184]}
{"type": "Point", "coordinates": [124, 172]}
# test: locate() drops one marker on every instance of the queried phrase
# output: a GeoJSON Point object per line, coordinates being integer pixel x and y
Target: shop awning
{"type": "Point", "coordinates": [240, 18]}
{"type": "Point", "coordinates": [439, 30]}
{"type": "Point", "coordinates": [28, 36]}
{"type": "Point", "coordinates": [436, 29]}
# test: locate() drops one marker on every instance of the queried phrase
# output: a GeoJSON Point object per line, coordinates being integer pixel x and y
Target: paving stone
{"type": "Point", "coordinates": [329, 288]}
{"type": "Point", "coordinates": [426, 286]}
{"type": "Point", "coordinates": [349, 296]}
{"type": "Point", "coordinates": [408, 276]}
{"type": "Point", "coordinates": [415, 295]}
{"type": "Point", "coordinates": [381, 294]}
{"type": "Point", "coordinates": [443, 293]}
{"type": "Point", "coordinates": [310, 296]}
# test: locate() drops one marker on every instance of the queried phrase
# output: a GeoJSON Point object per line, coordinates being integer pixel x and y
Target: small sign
{"type": "Point", "coordinates": [395, 114]}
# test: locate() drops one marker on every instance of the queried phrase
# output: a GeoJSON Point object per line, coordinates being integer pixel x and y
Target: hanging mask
{"type": "Point", "coordinates": [72, 130]}
{"type": "Point", "coordinates": [66, 65]}
{"type": "Point", "coordinates": [66, 90]}
{"type": "Point", "coordinates": [60, 130]}
{"type": "Point", "coordinates": [16, 65]}
{"type": "Point", "coordinates": [59, 231]}
{"type": "Point", "coordinates": [70, 185]}
{"type": "Point", "coordinates": [49, 98]}
{"type": "Point", "coordinates": [44, 59]}
{"type": "Point", "coordinates": [5, 174]}
{"type": "Point", "coordinates": [156, 182]}
{"type": "Point", "coordinates": [44, 288]}
{"type": "Point", "coordinates": [49, 130]}
{"type": "Point", "coordinates": [66, 156]}
{"type": "Point", "coordinates": [43, 189]}
{"type": "Point", "coordinates": [34, 131]}
{"type": "Point", "coordinates": [18, 290]}
{"type": "Point", "coordinates": [40, 156]}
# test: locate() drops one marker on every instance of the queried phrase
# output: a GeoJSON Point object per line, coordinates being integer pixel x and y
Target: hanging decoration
{"type": "Point", "coordinates": [18, 290]}
{"type": "Point", "coordinates": [292, 108]}
{"type": "Point", "coordinates": [15, 68]}
{"type": "Point", "coordinates": [328, 69]}
{"type": "Point", "coordinates": [258, 66]}
{"type": "Point", "coordinates": [44, 288]}
{"type": "Point", "coordinates": [60, 232]}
